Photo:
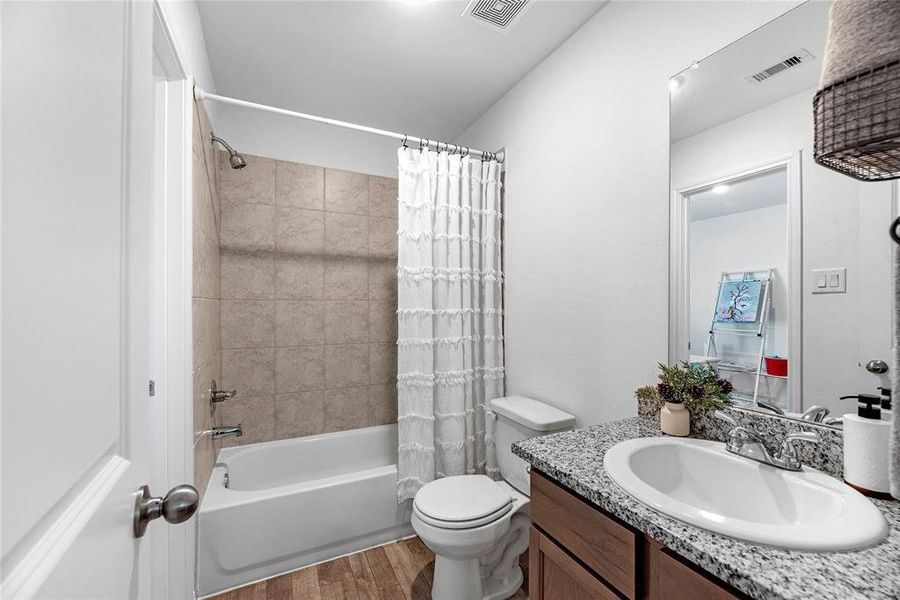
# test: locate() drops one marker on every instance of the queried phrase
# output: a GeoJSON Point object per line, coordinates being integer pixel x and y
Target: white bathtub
{"type": "Point", "coordinates": [293, 503]}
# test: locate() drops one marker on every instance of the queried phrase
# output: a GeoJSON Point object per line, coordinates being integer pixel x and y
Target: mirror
{"type": "Point", "coordinates": [780, 269]}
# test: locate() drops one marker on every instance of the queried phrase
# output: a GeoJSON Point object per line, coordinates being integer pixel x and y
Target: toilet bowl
{"type": "Point", "coordinates": [476, 544]}
{"type": "Point", "coordinates": [478, 527]}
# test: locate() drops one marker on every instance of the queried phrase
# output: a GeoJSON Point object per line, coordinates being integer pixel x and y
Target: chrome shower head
{"type": "Point", "coordinates": [237, 161]}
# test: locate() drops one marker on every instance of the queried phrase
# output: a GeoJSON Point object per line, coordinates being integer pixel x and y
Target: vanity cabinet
{"type": "Point", "coordinates": [577, 551]}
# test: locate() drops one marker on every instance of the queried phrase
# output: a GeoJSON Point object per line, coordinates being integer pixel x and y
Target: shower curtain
{"type": "Point", "coordinates": [450, 344]}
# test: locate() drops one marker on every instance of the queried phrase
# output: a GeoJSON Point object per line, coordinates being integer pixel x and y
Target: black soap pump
{"type": "Point", "coordinates": [866, 441]}
{"type": "Point", "coordinates": [885, 400]}
{"type": "Point", "coordinates": [869, 405]}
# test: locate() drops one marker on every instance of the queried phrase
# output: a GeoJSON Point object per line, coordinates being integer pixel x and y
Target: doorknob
{"type": "Point", "coordinates": [877, 366]}
{"type": "Point", "coordinates": [178, 506]}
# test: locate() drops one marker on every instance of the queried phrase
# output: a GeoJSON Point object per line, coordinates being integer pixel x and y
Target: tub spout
{"type": "Point", "coordinates": [220, 432]}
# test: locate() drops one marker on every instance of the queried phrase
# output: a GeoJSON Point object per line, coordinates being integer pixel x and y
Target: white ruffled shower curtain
{"type": "Point", "coordinates": [450, 344]}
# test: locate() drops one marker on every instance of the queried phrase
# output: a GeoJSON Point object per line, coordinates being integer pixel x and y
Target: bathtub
{"type": "Point", "coordinates": [293, 503]}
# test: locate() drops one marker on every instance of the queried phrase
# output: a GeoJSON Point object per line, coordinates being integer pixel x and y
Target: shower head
{"type": "Point", "coordinates": [237, 161]}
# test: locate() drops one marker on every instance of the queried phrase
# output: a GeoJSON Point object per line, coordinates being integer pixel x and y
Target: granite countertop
{"type": "Point", "coordinates": [575, 460]}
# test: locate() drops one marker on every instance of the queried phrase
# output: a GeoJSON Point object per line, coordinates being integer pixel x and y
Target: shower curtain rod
{"type": "Point", "coordinates": [422, 142]}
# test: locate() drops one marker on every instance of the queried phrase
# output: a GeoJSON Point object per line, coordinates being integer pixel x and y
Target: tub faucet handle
{"type": "Point", "coordinates": [217, 395]}
{"type": "Point", "coordinates": [227, 431]}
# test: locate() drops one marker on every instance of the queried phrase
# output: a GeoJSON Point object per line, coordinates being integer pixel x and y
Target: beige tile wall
{"type": "Point", "coordinates": [308, 266]}
{"type": "Point", "coordinates": [207, 293]}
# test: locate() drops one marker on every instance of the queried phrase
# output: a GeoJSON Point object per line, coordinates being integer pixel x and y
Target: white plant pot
{"type": "Point", "coordinates": [675, 419]}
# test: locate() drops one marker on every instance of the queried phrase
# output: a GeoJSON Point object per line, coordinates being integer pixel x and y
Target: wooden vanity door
{"type": "Point", "coordinates": [554, 575]}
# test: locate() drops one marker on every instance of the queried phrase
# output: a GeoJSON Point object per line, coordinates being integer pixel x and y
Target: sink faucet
{"type": "Point", "coordinates": [746, 443]}
{"type": "Point", "coordinates": [220, 432]}
{"type": "Point", "coordinates": [815, 413]}
{"type": "Point", "coordinates": [769, 406]}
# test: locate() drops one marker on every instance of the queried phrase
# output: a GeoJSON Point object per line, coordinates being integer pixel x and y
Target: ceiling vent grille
{"type": "Point", "coordinates": [499, 15]}
{"type": "Point", "coordinates": [792, 60]}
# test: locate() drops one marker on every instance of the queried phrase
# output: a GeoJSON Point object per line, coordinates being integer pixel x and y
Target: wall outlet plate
{"type": "Point", "coordinates": [829, 281]}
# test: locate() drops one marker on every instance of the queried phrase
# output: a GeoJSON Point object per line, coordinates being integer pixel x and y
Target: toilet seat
{"type": "Point", "coordinates": [463, 524]}
{"type": "Point", "coordinates": [462, 502]}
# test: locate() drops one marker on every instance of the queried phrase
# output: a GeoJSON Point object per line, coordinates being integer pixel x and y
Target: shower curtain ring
{"type": "Point", "coordinates": [404, 140]}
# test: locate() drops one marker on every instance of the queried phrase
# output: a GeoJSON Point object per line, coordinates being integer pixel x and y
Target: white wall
{"type": "Point", "coordinates": [266, 134]}
{"type": "Point", "coordinates": [733, 242]}
{"type": "Point", "coordinates": [183, 21]}
{"type": "Point", "coordinates": [259, 133]}
{"type": "Point", "coordinates": [844, 225]}
{"type": "Point", "coordinates": [586, 250]}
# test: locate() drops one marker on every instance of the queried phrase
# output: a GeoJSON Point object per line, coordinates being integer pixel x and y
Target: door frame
{"type": "Point", "coordinates": [173, 548]}
{"type": "Point", "coordinates": [679, 267]}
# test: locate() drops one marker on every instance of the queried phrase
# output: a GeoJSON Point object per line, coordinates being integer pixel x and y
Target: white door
{"type": "Point", "coordinates": [75, 253]}
{"type": "Point", "coordinates": [877, 209]}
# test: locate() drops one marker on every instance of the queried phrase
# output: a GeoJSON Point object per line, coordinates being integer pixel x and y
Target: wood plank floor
{"type": "Point", "coordinates": [398, 571]}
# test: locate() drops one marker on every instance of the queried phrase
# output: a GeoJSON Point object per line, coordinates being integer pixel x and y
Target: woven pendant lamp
{"type": "Point", "coordinates": [857, 107]}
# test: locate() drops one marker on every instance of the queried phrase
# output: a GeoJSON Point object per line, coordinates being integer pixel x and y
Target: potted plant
{"type": "Point", "coordinates": [683, 388]}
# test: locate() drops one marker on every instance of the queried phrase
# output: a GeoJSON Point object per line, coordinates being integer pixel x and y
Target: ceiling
{"type": "Point", "coordinates": [717, 90]}
{"type": "Point", "coordinates": [750, 193]}
{"type": "Point", "coordinates": [412, 66]}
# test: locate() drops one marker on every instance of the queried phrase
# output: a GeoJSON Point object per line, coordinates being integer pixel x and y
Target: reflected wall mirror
{"type": "Point", "coordinates": [780, 269]}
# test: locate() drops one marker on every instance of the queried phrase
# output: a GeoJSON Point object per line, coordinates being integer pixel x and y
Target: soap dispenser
{"type": "Point", "coordinates": [885, 403]}
{"type": "Point", "coordinates": [866, 441]}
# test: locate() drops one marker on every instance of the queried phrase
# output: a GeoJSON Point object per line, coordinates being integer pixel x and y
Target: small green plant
{"type": "Point", "coordinates": [696, 386]}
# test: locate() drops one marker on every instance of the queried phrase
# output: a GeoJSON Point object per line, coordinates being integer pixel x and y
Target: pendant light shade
{"type": "Point", "coordinates": [857, 107]}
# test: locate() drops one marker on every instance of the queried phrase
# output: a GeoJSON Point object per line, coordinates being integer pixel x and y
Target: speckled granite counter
{"type": "Point", "coordinates": [575, 460]}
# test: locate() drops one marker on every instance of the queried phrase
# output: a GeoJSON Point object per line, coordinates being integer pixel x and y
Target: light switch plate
{"type": "Point", "coordinates": [829, 281]}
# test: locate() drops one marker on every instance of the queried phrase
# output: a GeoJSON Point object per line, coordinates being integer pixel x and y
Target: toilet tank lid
{"type": "Point", "coordinates": [531, 413]}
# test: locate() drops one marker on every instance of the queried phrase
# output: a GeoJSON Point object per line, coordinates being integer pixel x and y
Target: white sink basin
{"type": "Point", "coordinates": [701, 483]}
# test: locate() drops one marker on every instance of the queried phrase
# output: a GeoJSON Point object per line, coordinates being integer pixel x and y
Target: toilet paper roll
{"type": "Point", "coordinates": [866, 443]}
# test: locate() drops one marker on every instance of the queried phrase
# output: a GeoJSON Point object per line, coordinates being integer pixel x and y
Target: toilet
{"type": "Point", "coordinates": [478, 527]}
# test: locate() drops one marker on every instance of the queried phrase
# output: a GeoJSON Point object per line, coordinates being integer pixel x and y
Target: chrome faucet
{"type": "Point", "coordinates": [769, 406]}
{"type": "Point", "coordinates": [815, 413]}
{"type": "Point", "coordinates": [746, 443]}
{"type": "Point", "coordinates": [217, 395]}
{"type": "Point", "coordinates": [220, 432]}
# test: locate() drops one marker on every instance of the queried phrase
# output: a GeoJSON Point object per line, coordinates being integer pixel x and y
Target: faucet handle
{"type": "Point", "coordinates": [222, 395]}
{"type": "Point", "coordinates": [217, 395]}
{"type": "Point", "coordinates": [800, 436]}
{"type": "Point", "coordinates": [724, 416]}
{"type": "Point", "coordinates": [787, 455]}
{"type": "Point", "coordinates": [737, 435]}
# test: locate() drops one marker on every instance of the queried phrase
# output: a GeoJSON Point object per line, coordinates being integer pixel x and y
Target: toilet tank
{"type": "Point", "coordinates": [520, 418]}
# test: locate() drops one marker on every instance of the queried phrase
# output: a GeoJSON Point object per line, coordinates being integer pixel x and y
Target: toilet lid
{"type": "Point", "coordinates": [462, 498]}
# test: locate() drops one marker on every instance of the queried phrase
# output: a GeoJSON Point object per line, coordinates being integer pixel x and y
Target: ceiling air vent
{"type": "Point", "coordinates": [792, 60]}
{"type": "Point", "coordinates": [499, 15]}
